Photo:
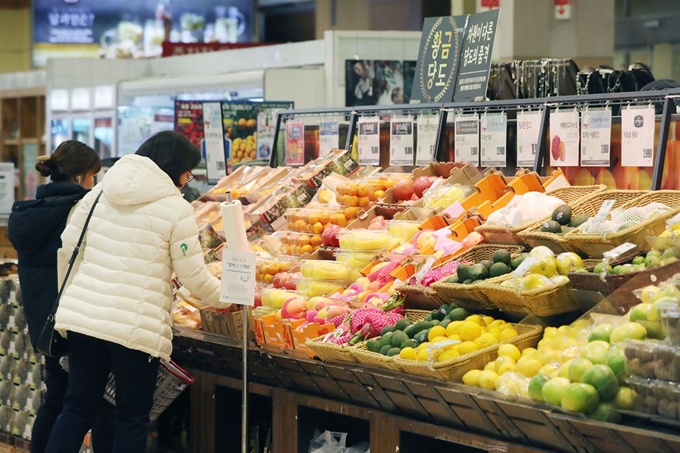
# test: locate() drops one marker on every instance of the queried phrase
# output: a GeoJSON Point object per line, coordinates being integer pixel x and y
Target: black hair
{"type": "Point", "coordinates": [172, 152]}
{"type": "Point", "coordinates": [70, 160]}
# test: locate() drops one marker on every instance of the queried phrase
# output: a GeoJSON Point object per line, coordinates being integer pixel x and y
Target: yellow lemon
{"type": "Point", "coordinates": [564, 330]}
{"type": "Point", "coordinates": [490, 366]}
{"type": "Point", "coordinates": [509, 350]}
{"type": "Point", "coordinates": [551, 369]}
{"type": "Point", "coordinates": [502, 360]}
{"type": "Point", "coordinates": [496, 332]}
{"type": "Point", "coordinates": [466, 347]}
{"type": "Point", "coordinates": [439, 340]}
{"type": "Point", "coordinates": [476, 319]}
{"type": "Point", "coordinates": [487, 379]}
{"type": "Point", "coordinates": [408, 354]}
{"type": "Point", "coordinates": [423, 355]}
{"type": "Point", "coordinates": [496, 323]}
{"type": "Point", "coordinates": [472, 377]}
{"type": "Point", "coordinates": [436, 331]}
{"type": "Point", "coordinates": [455, 337]}
{"type": "Point", "coordinates": [508, 335]}
{"type": "Point", "coordinates": [470, 331]}
{"type": "Point", "coordinates": [549, 332]}
{"type": "Point", "coordinates": [448, 355]}
{"type": "Point", "coordinates": [488, 320]}
{"type": "Point", "coordinates": [505, 368]}
{"type": "Point", "coordinates": [548, 355]}
{"type": "Point", "coordinates": [529, 352]}
{"type": "Point", "coordinates": [580, 324]}
{"type": "Point", "coordinates": [485, 340]}
{"type": "Point", "coordinates": [454, 328]}
{"type": "Point", "coordinates": [528, 367]}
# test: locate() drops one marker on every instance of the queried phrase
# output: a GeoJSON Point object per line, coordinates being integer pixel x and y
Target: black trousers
{"type": "Point", "coordinates": [90, 362]}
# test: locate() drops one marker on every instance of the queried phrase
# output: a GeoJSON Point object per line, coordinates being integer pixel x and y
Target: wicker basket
{"type": "Point", "coordinates": [534, 237]}
{"type": "Point", "coordinates": [548, 301]}
{"type": "Point", "coordinates": [454, 369]}
{"type": "Point", "coordinates": [497, 234]}
{"type": "Point", "coordinates": [594, 245]}
{"type": "Point", "coordinates": [329, 352]}
{"type": "Point", "coordinates": [366, 357]}
{"type": "Point", "coordinates": [421, 296]}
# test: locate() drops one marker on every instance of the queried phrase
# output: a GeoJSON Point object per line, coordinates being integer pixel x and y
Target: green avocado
{"type": "Point", "coordinates": [562, 215]}
{"type": "Point", "coordinates": [386, 340]}
{"type": "Point", "coordinates": [578, 220]}
{"type": "Point", "coordinates": [398, 337]}
{"type": "Point", "coordinates": [551, 226]}
{"type": "Point", "coordinates": [392, 352]}
{"type": "Point", "coordinates": [385, 348]}
{"type": "Point", "coordinates": [517, 261]}
{"type": "Point", "coordinates": [402, 324]}
{"type": "Point", "coordinates": [479, 272]}
{"type": "Point", "coordinates": [502, 256]}
{"type": "Point", "coordinates": [463, 272]}
{"type": "Point", "coordinates": [373, 346]}
{"type": "Point", "coordinates": [499, 269]}
{"type": "Point", "coordinates": [487, 263]}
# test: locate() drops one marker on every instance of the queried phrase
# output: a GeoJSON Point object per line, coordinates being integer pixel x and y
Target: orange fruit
{"type": "Point", "coordinates": [317, 228]}
{"type": "Point", "coordinates": [378, 194]}
{"type": "Point", "coordinates": [316, 240]}
{"type": "Point", "coordinates": [300, 225]}
{"type": "Point", "coordinates": [268, 278]}
{"type": "Point", "coordinates": [362, 191]}
{"type": "Point", "coordinates": [352, 212]}
{"type": "Point", "coordinates": [325, 217]}
{"type": "Point", "coordinates": [340, 219]}
{"type": "Point", "coordinates": [313, 217]}
{"type": "Point", "coordinates": [352, 190]}
{"type": "Point", "coordinates": [363, 201]}
{"type": "Point", "coordinates": [303, 239]}
{"type": "Point", "coordinates": [351, 200]}
{"type": "Point", "coordinates": [306, 249]}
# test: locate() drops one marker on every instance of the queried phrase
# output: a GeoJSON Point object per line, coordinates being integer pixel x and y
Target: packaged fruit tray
{"type": "Point", "coordinates": [267, 268]}
{"type": "Point", "coordinates": [314, 288]}
{"type": "Point", "coordinates": [589, 206]}
{"type": "Point", "coordinates": [276, 298]}
{"type": "Point", "coordinates": [655, 397]}
{"type": "Point", "coordinates": [671, 325]}
{"type": "Point", "coordinates": [314, 221]}
{"type": "Point", "coordinates": [327, 271]}
{"type": "Point", "coordinates": [297, 244]}
{"type": "Point", "coordinates": [550, 300]}
{"type": "Point", "coordinates": [499, 234]}
{"type": "Point", "coordinates": [403, 229]}
{"type": "Point", "coordinates": [594, 245]}
{"type": "Point", "coordinates": [454, 369]}
{"type": "Point", "coordinates": [356, 259]}
{"type": "Point", "coordinates": [365, 240]}
{"type": "Point", "coordinates": [652, 360]}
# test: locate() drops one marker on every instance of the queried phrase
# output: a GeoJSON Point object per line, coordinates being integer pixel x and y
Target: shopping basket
{"type": "Point", "coordinates": [171, 381]}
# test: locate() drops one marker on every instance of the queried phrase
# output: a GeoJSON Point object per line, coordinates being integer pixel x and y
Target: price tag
{"type": "Point", "coordinates": [427, 139]}
{"type": "Point", "coordinates": [295, 143]}
{"type": "Point", "coordinates": [467, 139]}
{"type": "Point", "coordinates": [637, 137]}
{"type": "Point", "coordinates": [369, 141]}
{"type": "Point", "coordinates": [523, 268]}
{"type": "Point", "coordinates": [213, 133]}
{"type": "Point", "coordinates": [528, 130]}
{"type": "Point", "coordinates": [455, 210]}
{"type": "Point", "coordinates": [493, 140]}
{"type": "Point", "coordinates": [618, 251]}
{"type": "Point", "coordinates": [564, 138]}
{"type": "Point", "coordinates": [401, 141]}
{"type": "Point", "coordinates": [604, 210]}
{"type": "Point", "coordinates": [329, 137]}
{"type": "Point", "coordinates": [238, 277]}
{"type": "Point", "coordinates": [596, 128]}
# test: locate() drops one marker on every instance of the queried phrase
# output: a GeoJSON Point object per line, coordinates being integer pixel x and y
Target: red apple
{"type": "Point", "coordinates": [421, 184]}
{"type": "Point", "coordinates": [329, 237]}
{"type": "Point", "coordinates": [403, 189]}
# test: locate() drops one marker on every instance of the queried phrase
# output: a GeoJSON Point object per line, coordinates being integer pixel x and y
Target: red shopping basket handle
{"type": "Point", "coordinates": [175, 370]}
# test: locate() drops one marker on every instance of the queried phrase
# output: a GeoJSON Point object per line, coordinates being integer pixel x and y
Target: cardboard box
{"type": "Point", "coordinates": [227, 324]}
{"type": "Point", "coordinates": [309, 332]}
{"type": "Point", "coordinates": [274, 332]}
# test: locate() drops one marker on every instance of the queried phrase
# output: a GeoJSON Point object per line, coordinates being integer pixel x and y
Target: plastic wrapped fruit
{"type": "Point", "coordinates": [403, 229]}
{"type": "Point", "coordinates": [266, 269]}
{"type": "Point", "coordinates": [445, 195]}
{"type": "Point", "coordinates": [297, 244]}
{"type": "Point", "coordinates": [365, 240]}
{"type": "Point", "coordinates": [315, 288]}
{"type": "Point", "coordinates": [314, 221]}
{"type": "Point", "coordinates": [275, 298]}
{"type": "Point", "coordinates": [355, 260]}
{"type": "Point", "coordinates": [324, 270]}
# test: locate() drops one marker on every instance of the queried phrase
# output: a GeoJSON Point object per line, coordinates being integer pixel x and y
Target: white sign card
{"type": "Point", "coordinates": [6, 187]}
{"type": "Point", "coordinates": [401, 141]}
{"type": "Point", "coordinates": [637, 137]}
{"type": "Point", "coordinates": [596, 128]}
{"type": "Point", "coordinates": [427, 139]}
{"type": "Point", "coordinates": [369, 141]}
{"type": "Point", "coordinates": [493, 139]}
{"type": "Point", "coordinates": [467, 139]}
{"type": "Point", "coordinates": [80, 99]}
{"type": "Point", "coordinates": [564, 138]}
{"type": "Point", "coordinates": [329, 137]}
{"type": "Point", "coordinates": [528, 131]}
{"type": "Point", "coordinates": [216, 166]}
{"type": "Point", "coordinates": [238, 277]}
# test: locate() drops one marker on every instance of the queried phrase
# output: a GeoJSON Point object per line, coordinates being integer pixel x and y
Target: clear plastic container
{"type": "Point", "coordinates": [671, 324]}
{"type": "Point", "coordinates": [313, 288]}
{"type": "Point", "coordinates": [403, 229]}
{"type": "Point", "coordinates": [314, 221]}
{"type": "Point", "coordinates": [445, 195]}
{"type": "Point", "coordinates": [365, 240]}
{"type": "Point", "coordinates": [297, 244]}
{"type": "Point", "coordinates": [655, 397]}
{"type": "Point", "coordinates": [324, 270]}
{"type": "Point", "coordinates": [267, 268]}
{"type": "Point", "coordinates": [356, 260]}
{"type": "Point", "coordinates": [652, 360]}
{"type": "Point", "coordinates": [275, 298]}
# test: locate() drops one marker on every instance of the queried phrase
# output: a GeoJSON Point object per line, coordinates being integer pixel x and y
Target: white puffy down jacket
{"type": "Point", "coordinates": [142, 231]}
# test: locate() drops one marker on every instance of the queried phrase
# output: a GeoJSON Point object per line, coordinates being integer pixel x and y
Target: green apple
{"type": "Point", "coordinates": [628, 331]}
{"type": "Point", "coordinates": [596, 351]}
{"type": "Point", "coordinates": [568, 262]}
{"type": "Point", "coordinates": [603, 379]}
{"type": "Point", "coordinates": [600, 268]}
{"type": "Point", "coordinates": [544, 265]}
{"type": "Point", "coordinates": [639, 260]}
{"type": "Point", "coordinates": [653, 253]}
{"type": "Point", "coordinates": [578, 368]}
{"type": "Point", "coordinates": [536, 386]}
{"type": "Point", "coordinates": [581, 398]}
{"type": "Point", "coordinates": [554, 389]}
{"type": "Point", "coordinates": [601, 332]}
{"type": "Point", "coordinates": [652, 261]}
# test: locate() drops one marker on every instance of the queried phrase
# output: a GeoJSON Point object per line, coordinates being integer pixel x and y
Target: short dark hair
{"type": "Point", "coordinates": [70, 160]}
{"type": "Point", "coordinates": [172, 152]}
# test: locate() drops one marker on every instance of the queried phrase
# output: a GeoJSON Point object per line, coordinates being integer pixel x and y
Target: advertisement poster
{"type": "Point", "coordinates": [564, 138]}
{"type": "Point", "coordinates": [475, 56]}
{"type": "Point", "coordinates": [216, 166]}
{"type": "Point", "coordinates": [369, 141]}
{"type": "Point", "coordinates": [427, 139]}
{"type": "Point", "coordinates": [637, 137]}
{"type": "Point", "coordinates": [295, 143]}
{"type": "Point", "coordinates": [240, 127]}
{"type": "Point", "coordinates": [189, 121]}
{"type": "Point", "coordinates": [401, 141]}
{"type": "Point", "coordinates": [378, 82]}
{"type": "Point", "coordinates": [329, 137]}
{"type": "Point", "coordinates": [528, 131]}
{"type": "Point", "coordinates": [133, 28]}
{"type": "Point", "coordinates": [493, 140]}
{"type": "Point", "coordinates": [266, 126]}
{"type": "Point", "coordinates": [6, 187]}
{"type": "Point", "coordinates": [596, 130]}
{"type": "Point", "coordinates": [467, 139]}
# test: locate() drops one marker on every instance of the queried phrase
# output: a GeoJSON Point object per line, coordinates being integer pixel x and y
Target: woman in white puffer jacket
{"type": "Point", "coordinates": [116, 310]}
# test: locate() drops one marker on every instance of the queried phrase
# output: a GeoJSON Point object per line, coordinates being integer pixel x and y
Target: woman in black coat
{"type": "Point", "coordinates": [35, 228]}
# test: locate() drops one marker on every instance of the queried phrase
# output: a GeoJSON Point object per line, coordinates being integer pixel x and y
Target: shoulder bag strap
{"type": "Point", "coordinates": [72, 261]}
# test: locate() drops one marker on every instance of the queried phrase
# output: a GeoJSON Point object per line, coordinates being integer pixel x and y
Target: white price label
{"type": "Point", "coordinates": [493, 140]}
{"type": "Point", "coordinates": [216, 166]}
{"type": "Point", "coordinates": [6, 187]}
{"type": "Point", "coordinates": [564, 139]}
{"type": "Point", "coordinates": [238, 277]}
{"type": "Point", "coordinates": [637, 137]}
{"type": "Point", "coordinates": [523, 268]}
{"type": "Point", "coordinates": [467, 139]}
{"type": "Point", "coordinates": [618, 251]}
{"type": "Point", "coordinates": [528, 130]}
{"type": "Point", "coordinates": [401, 141]}
{"type": "Point", "coordinates": [329, 137]}
{"type": "Point", "coordinates": [369, 141]}
{"type": "Point", "coordinates": [596, 127]}
{"type": "Point", "coordinates": [604, 210]}
{"type": "Point", "coordinates": [427, 139]}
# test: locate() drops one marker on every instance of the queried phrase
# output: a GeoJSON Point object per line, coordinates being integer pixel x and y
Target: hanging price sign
{"type": "Point", "coordinates": [564, 139]}
{"type": "Point", "coordinates": [329, 137]}
{"type": "Point", "coordinates": [493, 140]}
{"type": "Point", "coordinates": [401, 141]}
{"type": "Point", "coordinates": [369, 141]}
{"type": "Point", "coordinates": [637, 137]}
{"type": "Point", "coordinates": [467, 139]}
{"type": "Point", "coordinates": [427, 139]}
{"type": "Point", "coordinates": [528, 130]}
{"type": "Point", "coordinates": [596, 127]}
{"type": "Point", "coordinates": [295, 143]}
{"type": "Point", "coordinates": [216, 165]}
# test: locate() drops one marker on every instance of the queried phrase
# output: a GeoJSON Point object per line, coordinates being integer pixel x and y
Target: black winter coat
{"type": "Point", "coordinates": [35, 228]}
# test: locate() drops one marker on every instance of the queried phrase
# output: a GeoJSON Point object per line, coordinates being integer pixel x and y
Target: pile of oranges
{"type": "Point", "coordinates": [314, 221]}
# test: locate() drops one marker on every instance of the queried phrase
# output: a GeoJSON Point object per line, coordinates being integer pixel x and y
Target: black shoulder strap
{"type": "Point", "coordinates": [72, 261]}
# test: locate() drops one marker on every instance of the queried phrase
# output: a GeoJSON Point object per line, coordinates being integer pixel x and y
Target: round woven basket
{"type": "Point", "coordinates": [548, 301]}
{"type": "Point", "coordinates": [329, 352]}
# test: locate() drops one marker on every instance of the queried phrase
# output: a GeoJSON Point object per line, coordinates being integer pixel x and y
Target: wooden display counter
{"type": "Point", "coordinates": [392, 411]}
